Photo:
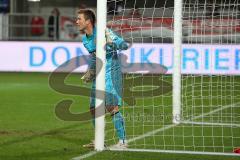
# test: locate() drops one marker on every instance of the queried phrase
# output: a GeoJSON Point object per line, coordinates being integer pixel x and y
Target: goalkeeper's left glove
{"type": "Point", "coordinates": [89, 76]}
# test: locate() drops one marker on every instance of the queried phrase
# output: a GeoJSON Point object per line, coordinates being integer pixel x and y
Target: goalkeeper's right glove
{"type": "Point", "coordinates": [109, 36]}
{"type": "Point", "coordinates": [89, 76]}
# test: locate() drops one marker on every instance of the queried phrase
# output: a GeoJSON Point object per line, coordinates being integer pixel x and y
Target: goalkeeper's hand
{"type": "Point", "coordinates": [89, 76]}
{"type": "Point", "coordinates": [109, 37]}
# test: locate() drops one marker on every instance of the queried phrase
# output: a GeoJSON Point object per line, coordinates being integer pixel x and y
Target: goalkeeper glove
{"type": "Point", "coordinates": [109, 36]}
{"type": "Point", "coordinates": [89, 76]}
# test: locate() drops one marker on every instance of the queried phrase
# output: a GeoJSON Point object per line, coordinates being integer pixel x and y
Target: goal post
{"type": "Point", "coordinates": [177, 61]}
{"type": "Point", "coordinates": [100, 79]}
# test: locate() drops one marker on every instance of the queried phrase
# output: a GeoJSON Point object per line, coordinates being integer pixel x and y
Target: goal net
{"type": "Point", "coordinates": [210, 76]}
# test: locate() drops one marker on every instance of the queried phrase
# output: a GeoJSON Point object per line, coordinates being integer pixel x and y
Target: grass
{"type": "Point", "coordinates": [30, 129]}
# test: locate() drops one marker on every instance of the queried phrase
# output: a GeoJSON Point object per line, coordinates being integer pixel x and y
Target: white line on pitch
{"type": "Point", "coordinates": [85, 155]}
{"type": "Point", "coordinates": [211, 124]}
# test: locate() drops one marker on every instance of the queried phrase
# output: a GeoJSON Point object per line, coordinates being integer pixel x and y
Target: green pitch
{"type": "Point", "coordinates": [30, 129]}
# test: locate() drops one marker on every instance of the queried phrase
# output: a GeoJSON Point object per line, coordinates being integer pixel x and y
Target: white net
{"type": "Point", "coordinates": [210, 100]}
{"type": "Point", "coordinates": [210, 82]}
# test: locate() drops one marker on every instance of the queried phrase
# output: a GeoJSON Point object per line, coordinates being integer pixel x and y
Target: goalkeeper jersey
{"type": "Point", "coordinates": [113, 67]}
{"type": "Point", "coordinates": [89, 43]}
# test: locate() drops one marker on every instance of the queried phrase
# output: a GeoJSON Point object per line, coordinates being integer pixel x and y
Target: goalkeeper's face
{"type": "Point", "coordinates": [82, 23]}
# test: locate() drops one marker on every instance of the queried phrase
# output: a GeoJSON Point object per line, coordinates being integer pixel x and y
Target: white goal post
{"type": "Point", "coordinates": [100, 79]}
{"type": "Point", "coordinates": [177, 61]}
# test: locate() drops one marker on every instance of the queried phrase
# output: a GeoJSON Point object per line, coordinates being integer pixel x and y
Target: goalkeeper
{"type": "Point", "coordinates": [113, 97]}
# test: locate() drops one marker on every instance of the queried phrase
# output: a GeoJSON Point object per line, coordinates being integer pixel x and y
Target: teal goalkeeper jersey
{"type": "Point", "coordinates": [113, 67]}
{"type": "Point", "coordinates": [111, 49]}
